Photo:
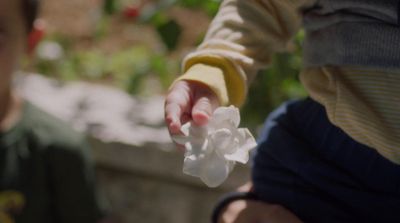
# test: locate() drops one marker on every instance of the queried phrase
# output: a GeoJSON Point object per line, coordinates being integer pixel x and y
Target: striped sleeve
{"type": "Point", "coordinates": [363, 102]}
{"type": "Point", "coordinates": [241, 40]}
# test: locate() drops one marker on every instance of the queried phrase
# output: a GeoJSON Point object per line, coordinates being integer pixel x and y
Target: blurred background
{"type": "Point", "coordinates": [104, 66]}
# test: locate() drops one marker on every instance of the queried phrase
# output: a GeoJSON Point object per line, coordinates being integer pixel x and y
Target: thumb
{"type": "Point", "coordinates": [205, 102]}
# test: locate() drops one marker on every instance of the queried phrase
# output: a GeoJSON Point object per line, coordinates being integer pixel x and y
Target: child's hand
{"type": "Point", "coordinates": [189, 101]}
{"type": "Point", "coordinates": [245, 211]}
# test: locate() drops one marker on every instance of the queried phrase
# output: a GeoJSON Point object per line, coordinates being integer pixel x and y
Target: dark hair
{"type": "Point", "coordinates": [30, 10]}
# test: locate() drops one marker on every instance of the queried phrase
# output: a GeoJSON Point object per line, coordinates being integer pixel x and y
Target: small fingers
{"type": "Point", "coordinates": [186, 101]}
{"type": "Point", "coordinates": [177, 138]}
{"type": "Point", "coordinates": [205, 102]}
{"type": "Point", "coordinates": [173, 112]}
{"type": "Point", "coordinates": [177, 104]}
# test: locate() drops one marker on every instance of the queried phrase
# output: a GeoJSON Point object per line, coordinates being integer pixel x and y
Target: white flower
{"type": "Point", "coordinates": [212, 150]}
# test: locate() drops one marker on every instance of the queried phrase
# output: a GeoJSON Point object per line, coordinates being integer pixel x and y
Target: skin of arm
{"type": "Point", "coordinates": [251, 211]}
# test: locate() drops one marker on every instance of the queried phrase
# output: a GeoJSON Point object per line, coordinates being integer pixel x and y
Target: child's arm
{"type": "Point", "coordinates": [241, 39]}
{"type": "Point", "coordinates": [245, 211]}
{"type": "Point", "coordinates": [243, 206]}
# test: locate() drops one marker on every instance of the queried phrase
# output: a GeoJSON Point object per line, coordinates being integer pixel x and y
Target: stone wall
{"type": "Point", "coordinates": [146, 184]}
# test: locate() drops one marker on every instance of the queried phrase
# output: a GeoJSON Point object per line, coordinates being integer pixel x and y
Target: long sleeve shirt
{"type": "Point", "coordinates": [362, 100]}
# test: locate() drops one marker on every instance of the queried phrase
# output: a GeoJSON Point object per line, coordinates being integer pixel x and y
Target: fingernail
{"type": "Point", "coordinates": [174, 127]}
{"type": "Point", "coordinates": [200, 118]}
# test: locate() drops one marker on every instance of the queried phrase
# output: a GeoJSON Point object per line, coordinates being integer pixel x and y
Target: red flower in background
{"type": "Point", "coordinates": [36, 35]}
{"type": "Point", "coordinates": [131, 12]}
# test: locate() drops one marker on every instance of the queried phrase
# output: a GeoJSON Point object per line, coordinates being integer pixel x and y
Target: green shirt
{"type": "Point", "coordinates": [46, 174]}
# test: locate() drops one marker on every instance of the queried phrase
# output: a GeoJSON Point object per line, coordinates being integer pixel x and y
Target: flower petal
{"type": "Point", "coordinates": [197, 148]}
{"type": "Point", "coordinates": [247, 142]}
{"type": "Point", "coordinates": [212, 150]}
{"type": "Point", "coordinates": [180, 139]}
{"type": "Point", "coordinates": [215, 170]}
{"type": "Point", "coordinates": [194, 158]}
{"type": "Point", "coordinates": [186, 128]}
{"type": "Point", "coordinates": [197, 131]}
{"type": "Point", "coordinates": [192, 165]}
{"type": "Point", "coordinates": [221, 139]}
{"type": "Point", "coordinates": [221, 114]}
{"type": "Point", "coordinates": [240, 155]}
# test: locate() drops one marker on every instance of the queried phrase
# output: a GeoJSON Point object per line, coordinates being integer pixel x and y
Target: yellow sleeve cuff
{"type": "Point", "coordinates": [220, 75]}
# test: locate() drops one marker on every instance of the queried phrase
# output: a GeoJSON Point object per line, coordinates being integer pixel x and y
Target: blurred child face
{"type": "Point", "coordinates": [13, 36]}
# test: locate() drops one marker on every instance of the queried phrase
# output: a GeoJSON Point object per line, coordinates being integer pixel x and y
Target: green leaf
{"type": "Point", "coordinates": [109, 7]}
{"type": "Point", "coordinates": [170, 33]}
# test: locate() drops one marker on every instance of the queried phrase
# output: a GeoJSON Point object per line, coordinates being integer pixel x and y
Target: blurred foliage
{"type": "Point", "coordinates": [168, 30]}
{"type": "Point", "coordinates": [109, 7]}
{"type": "Point", "coordinates": [127, 69]}
{"type": "Point", "coordinates": [209, 6]}
{"type": "Point", "coordinates": [274, 85]}
{"type": "Point", "coordinates": [130, 68]}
